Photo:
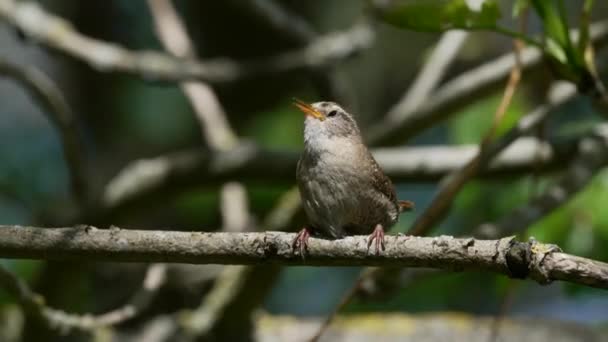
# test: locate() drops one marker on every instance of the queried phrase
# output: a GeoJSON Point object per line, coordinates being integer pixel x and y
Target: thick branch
{"type": "Point", "coordinates": [543, 263]}
{"type": "Point", "coordinates": [57, 33]}
{"type": "Point", "coordinates": [144, 177]}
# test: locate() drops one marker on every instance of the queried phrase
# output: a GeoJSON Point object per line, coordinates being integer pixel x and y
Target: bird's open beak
{"type": "Point", "coordinates": [308, 109]}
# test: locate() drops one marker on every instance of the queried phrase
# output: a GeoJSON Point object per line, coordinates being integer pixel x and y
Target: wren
{"type": "Point", "coordinates": [343, 189]}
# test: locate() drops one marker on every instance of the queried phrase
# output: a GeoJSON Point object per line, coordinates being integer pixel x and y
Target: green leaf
{"type": "Point", "coordinates": [584, 41]}
{"type": "Point", "coordinates": [558, 42]}
{"type": "Point", "coordinates": [441, 15]}
{"type": "Point", "coordinates": [519, 6]}
{"type": "Point", "coordinates": [556, 51]}
{"type": "Point", "coordinates": [553, 25]}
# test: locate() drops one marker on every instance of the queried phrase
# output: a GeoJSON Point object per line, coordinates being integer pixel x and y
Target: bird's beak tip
{"type": "Point", "coordinates": [308, 109]}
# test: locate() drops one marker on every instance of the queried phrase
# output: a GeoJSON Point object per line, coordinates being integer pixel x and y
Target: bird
{"type": "Point", "coordinates": [343, 189]}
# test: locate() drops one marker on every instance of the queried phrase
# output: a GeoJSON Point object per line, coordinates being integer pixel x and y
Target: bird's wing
{"type": "Point", "coordinates": [380, 181]}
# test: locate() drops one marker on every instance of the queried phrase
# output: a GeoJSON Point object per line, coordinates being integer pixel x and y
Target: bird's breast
{"type": "Point", "coordinates": [334, 187]}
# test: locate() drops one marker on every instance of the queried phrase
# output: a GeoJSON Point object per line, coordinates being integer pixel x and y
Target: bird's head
{"type": "Point", "coordinates": [327, 120]}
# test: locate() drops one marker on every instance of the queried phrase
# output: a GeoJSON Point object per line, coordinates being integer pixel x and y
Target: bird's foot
{"type": "Point", "coordinates": [378, 236]}
{"type": "Point", "coordinates": [300, 242]}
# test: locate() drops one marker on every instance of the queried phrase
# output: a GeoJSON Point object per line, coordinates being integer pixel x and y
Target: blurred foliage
{"type": "Point", "coordinates": [580, 226]}
{"type": "Point", "coordinates": [569, 59]}
{"type": "Point", "coordinates": [280, 127]}
{"type": "Point", "coordinates": [124, 118]}
{"type": "Point", "coordinates": [472, 123]}
{"type": "Point", "coordinates": [447, 14]}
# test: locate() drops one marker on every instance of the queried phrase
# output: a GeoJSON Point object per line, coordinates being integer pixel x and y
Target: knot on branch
{"type": "Point", "coordinates": [525, 259]}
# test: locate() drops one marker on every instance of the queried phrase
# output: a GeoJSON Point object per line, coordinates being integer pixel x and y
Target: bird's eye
{"type": "Point", "coordinates": [332, 113]}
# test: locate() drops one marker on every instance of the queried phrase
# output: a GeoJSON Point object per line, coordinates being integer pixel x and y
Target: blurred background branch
{"type": "Point", "coordinates": [47, 94]}
{"type": "Point", "coordinates": [34, 303]}
{"type": "Point", "coordinates": [57, 33]}
{"type": "Point", "coordinates": [223, 156]}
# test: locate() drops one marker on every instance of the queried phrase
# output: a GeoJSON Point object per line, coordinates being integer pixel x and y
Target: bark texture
{"type": "Point", "coordinates": [541, 262]}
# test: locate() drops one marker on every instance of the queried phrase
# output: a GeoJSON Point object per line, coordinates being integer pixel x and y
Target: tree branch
{"type": "Point", "coordinates": [54, 318]}
{"type": "Point", "coordinates": [171, 31]}
{"type": "Point", "coordinates": [454, 182]}
{"type": "Point", "coordinates": [432, 73]}
{"type": "Point", "coordinates": [226, 311]}
{"type": "Point", "coordinates": [328, 81]}
{"type": "Point", "coordinates": [592, 157]}
{"type": "Point", "coordinates": [145, 177]}
{"type": "Point", "coordinates": [403, 123]}
{"type": "Point", "coordinates": [57, 33]}
{"type": "Point", "coordinates": [543, 263]}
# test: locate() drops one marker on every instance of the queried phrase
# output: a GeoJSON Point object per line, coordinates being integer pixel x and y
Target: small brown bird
{"type": "Point", "coordinates": [343, 190]}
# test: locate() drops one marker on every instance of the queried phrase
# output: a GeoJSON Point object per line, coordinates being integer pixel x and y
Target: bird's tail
{"type": "Point", "coordinates": [405, 205]}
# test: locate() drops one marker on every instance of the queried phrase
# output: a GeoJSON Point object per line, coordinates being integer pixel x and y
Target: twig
{"type": "Point", "coordinates": [240, 289]}
{"type": "Point", "coordinates": [537, 261]}
{"type": "Point", "coordinates": [226, 311]}
{"type": "Point", "coordinates": [54, 318]}
{"type": "Point", "coordinates": [172, 34]}
{"type": "Point", "coordinates": [455, 181]}
{"type": "Point", "coordinates": [592, 157]}
{"type": "Point", "coordinates": [49, 97]}
{"type": "Point", "coordinates": [402, 123]}
{"type": "Point", "coordinates": [529, 122]}
{"type": "Point", "coordinates": [58, 34]}
{"type": "Point", "coordinates": [283, 22]}
{"type": "Point", "coordinates": [220, 137]}
{"type": "Point", "coordinates": [171, 31]}
{"type": "Point", "coordinates": [234, 206]}
{"type": "Point", "coordinates": [327, 80]}
{"type": "Point", "coordinates": [431, 74]}
{"type": "Point", "coordinates": [209, 111]}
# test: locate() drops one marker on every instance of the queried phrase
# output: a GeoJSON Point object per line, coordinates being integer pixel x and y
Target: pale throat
{"type": "Point", "coordinates": [339, 149]}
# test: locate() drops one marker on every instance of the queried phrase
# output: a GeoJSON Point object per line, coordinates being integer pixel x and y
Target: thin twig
{"type": "Point", "coordinates": [561, 93]}
{"type": "Point", "coordinates": [49, 97]}
{"type": "Point", "coordinates": [172, 33]}
{"type": "Point", "coordinates": [285, 23]}
{"type": "Point", "coordinates": [431, 74]}
{"type": "Point", "coordinates": [592, 157]}
{"type": "Point", "coordinates": [230, 298]}
{"type": "Point", "coordinates": [57, 33]}
{"type": "Point", "coordinates": [54, 318]}
{"type": "Point", "coordinates": [327, 80]}
{"type": "Point", "coordinates": [234, 206]}
{"type": "Point", "coordinates": [401, 124]}
{"type": "Point", "coordinates": [444, 198]}
{"type": "Point", "coordinates": [221, 138]}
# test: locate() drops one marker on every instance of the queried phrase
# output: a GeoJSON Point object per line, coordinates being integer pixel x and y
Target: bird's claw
{"type": "Point", "coordinates": [378, 236]}
{"type": "Point", "coordinates": [300, 242]}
